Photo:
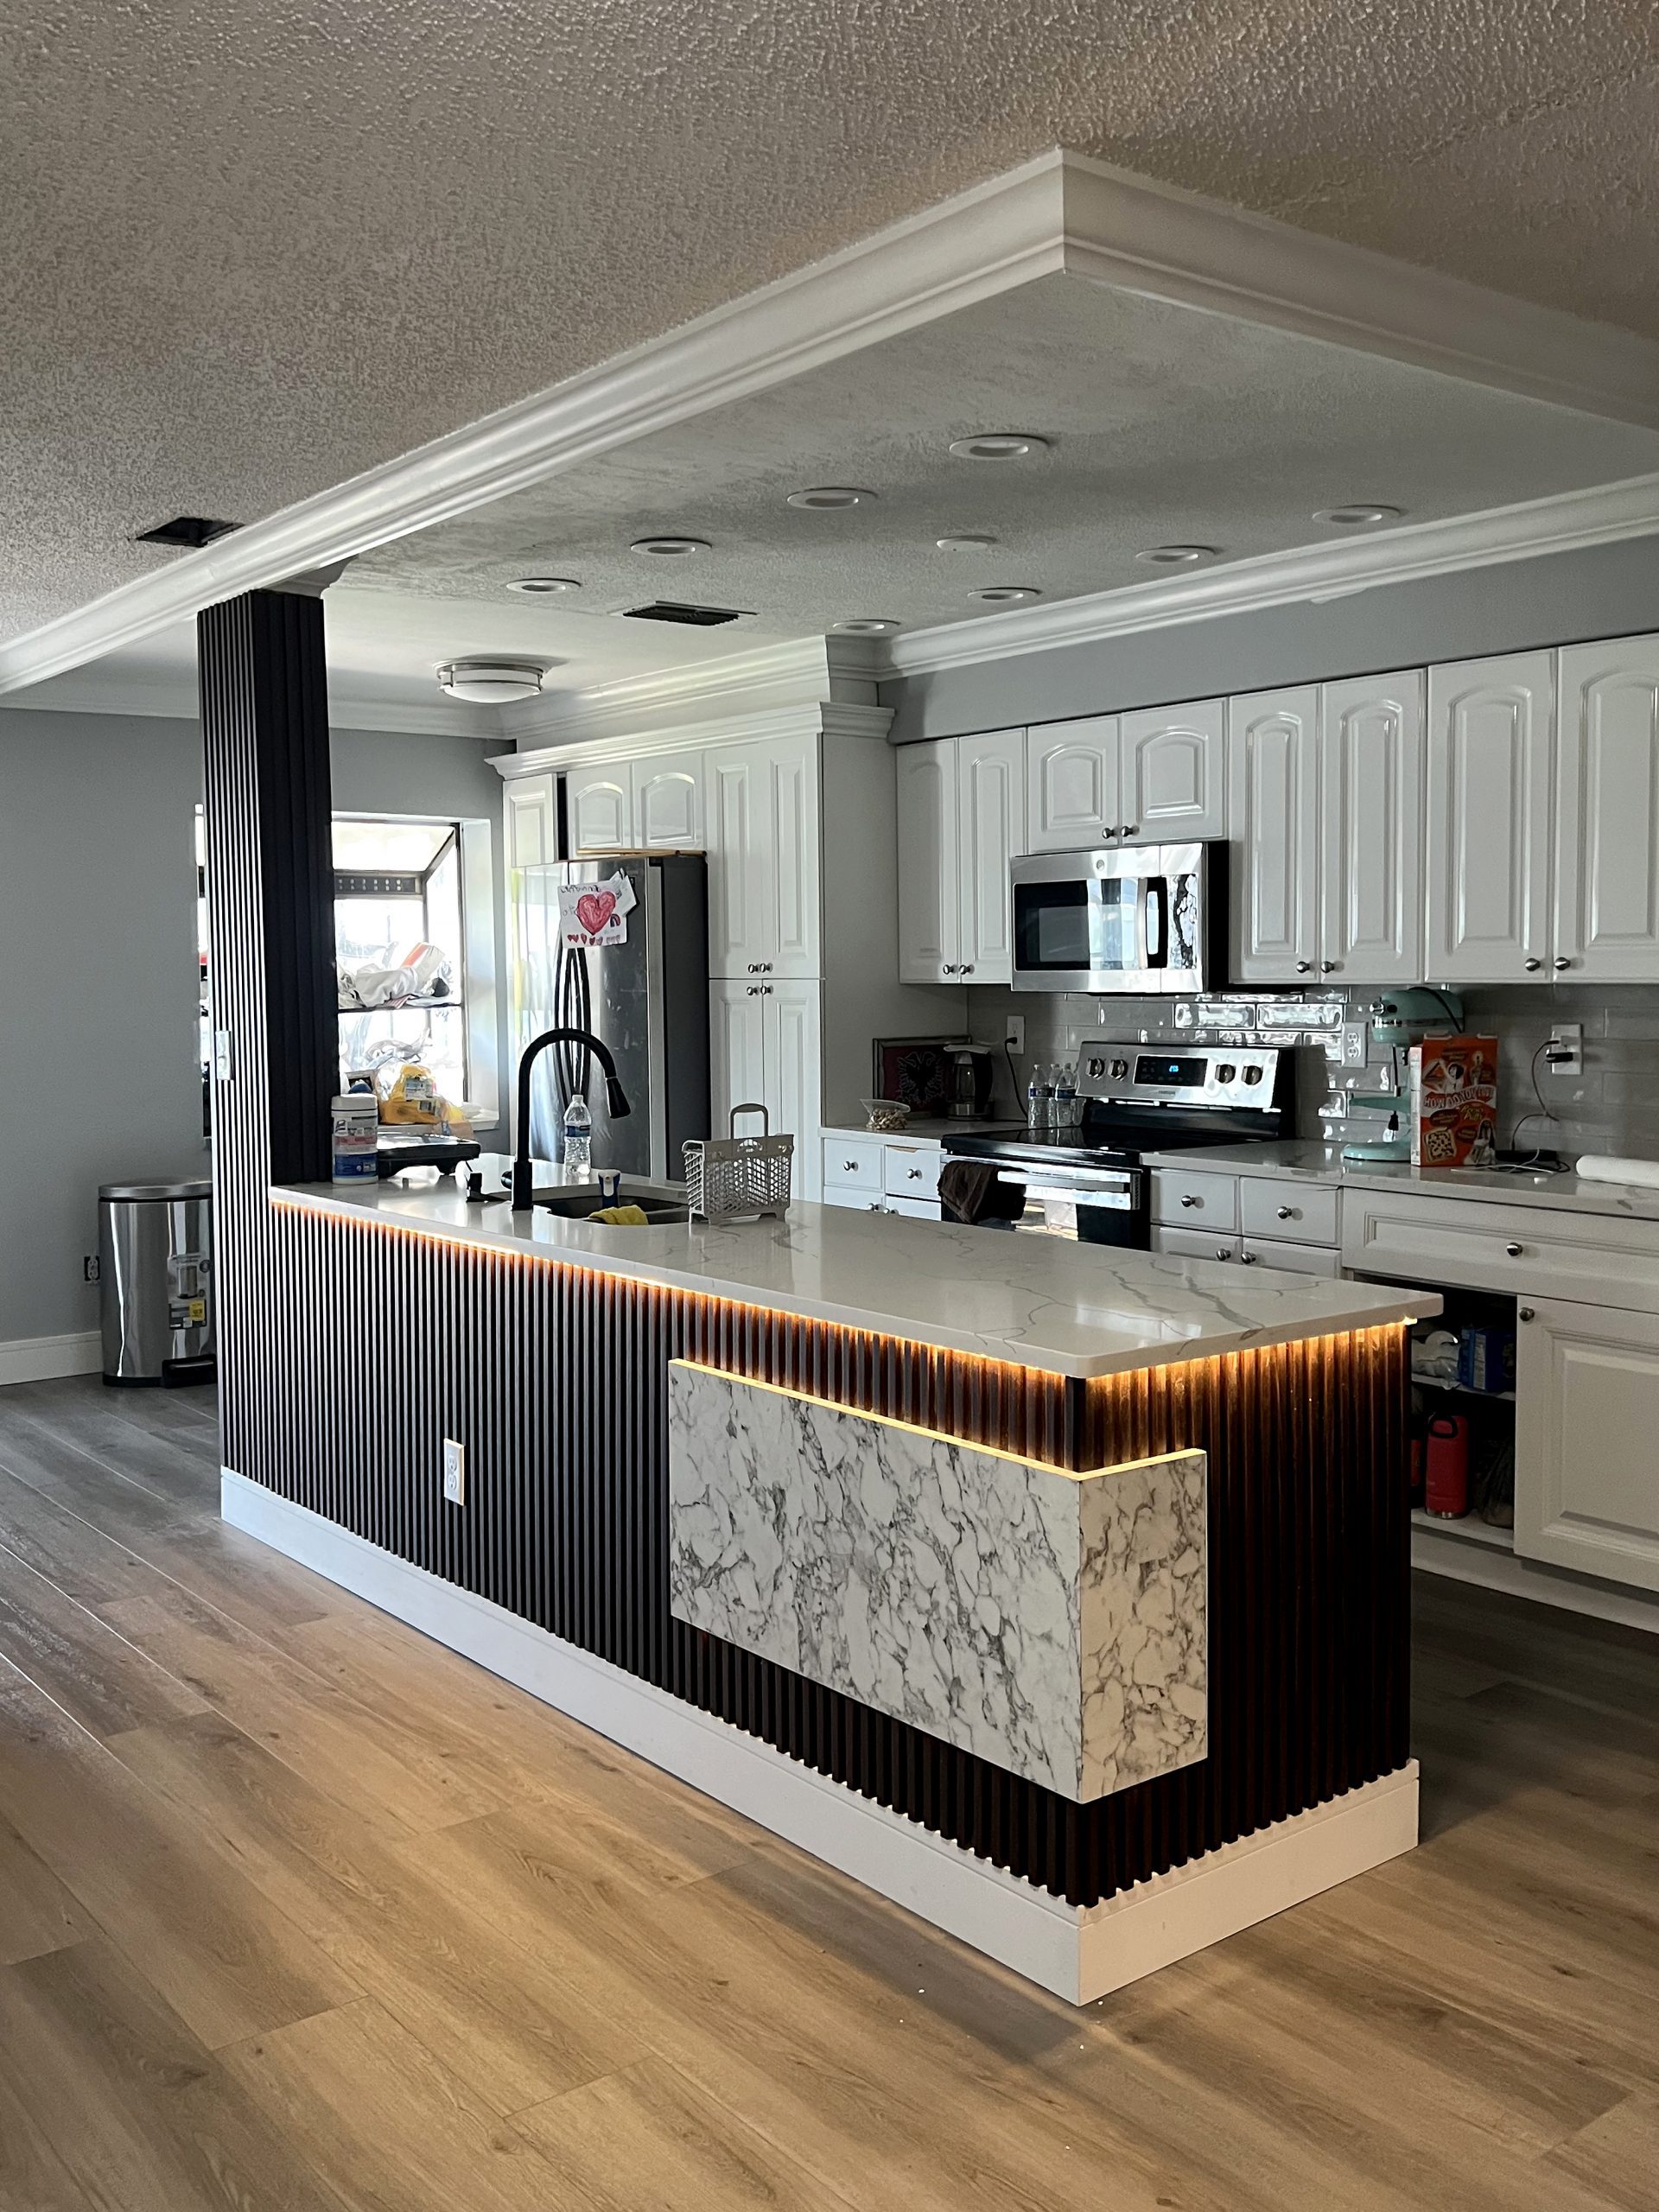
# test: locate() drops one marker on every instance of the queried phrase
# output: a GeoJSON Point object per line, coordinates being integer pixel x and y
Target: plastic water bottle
{"type": "Point", "coordinates": [578, 1136]}
{"type": "Point", "coordinates": [1067, 1116]}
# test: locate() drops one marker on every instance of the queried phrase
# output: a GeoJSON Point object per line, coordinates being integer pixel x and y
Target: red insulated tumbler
{"type": "Point", "coordinates": [1445, 1477]}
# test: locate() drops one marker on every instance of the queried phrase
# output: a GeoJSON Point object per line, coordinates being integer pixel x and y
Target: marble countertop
{"type": "Point", "coordinates": [1311, 1162]}
{"type": "Point", "coordinates": [1035, 1302]}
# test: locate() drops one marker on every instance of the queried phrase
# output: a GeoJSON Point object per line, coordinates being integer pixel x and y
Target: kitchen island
{"type": "Point", "coordinates": [1058, 1592]}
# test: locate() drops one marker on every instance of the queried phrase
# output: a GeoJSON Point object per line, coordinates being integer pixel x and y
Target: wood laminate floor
{"type": "Point", "coordinates": [300, 1912]}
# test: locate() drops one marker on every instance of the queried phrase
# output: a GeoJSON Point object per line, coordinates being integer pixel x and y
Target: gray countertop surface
{"type": "Point", "coordinates": [1311, 1162]}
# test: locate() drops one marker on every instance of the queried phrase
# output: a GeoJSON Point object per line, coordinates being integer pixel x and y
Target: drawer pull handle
{"type": "Point", "coordinates": [1528, 1313]}
{"type": "Point", "coordinates": [1189, 1199]}
{"type": "Point", "coordinates": [1287, 1213]}
{"type": "Point", "coordinates": [1514, 1250]}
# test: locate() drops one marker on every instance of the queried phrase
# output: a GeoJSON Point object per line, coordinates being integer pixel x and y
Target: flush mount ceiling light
{"type": "Point", "coordinates": [1357, 518]}
{"type": "Point", "coordinates": [490, 683]}
{"type": "Point", "coordinates": [535, 587]}
{"type": "Point", "coordinates": [999, 445]}
{"type": "Point", "coordinates": [829, 495]}
{"type": "Point", "coordinates": [670, 549]}
{"type": "Point", "coordinates": [1007, 594]}
{"type": "Point", "coordinates": [865, 625]}
{"type": "Point", "coordinates": [1176, 557]}
{"type": "Point", "coordinates": [971, 543]}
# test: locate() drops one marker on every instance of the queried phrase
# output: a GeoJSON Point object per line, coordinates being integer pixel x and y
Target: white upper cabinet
{"type": "Point", "coordinates": [928, 908]}
{"type": "Point", "coordinates": [1072, 785]}
{"type": "Point", "coordinates": [1172, 778]}
{"type": "Point", "coordinates": [761, 826]}
{"type": "Point", "coordinates": [990, 830]}
{"type": "Point", "coordinates": [1491, 804]}
{"type": "Point", "coordinates": [1607, 812]}
{"type": "Point", "coordinates": [1371, 828]}
{"type": "Point", "coordinates": [668, 803]}
{"type": "Point", "coordinates": [532, 821]}
{"type": "Point", "coordinates": [1272, 773]}
{"type": "Point", "coordinates": [599, 809]}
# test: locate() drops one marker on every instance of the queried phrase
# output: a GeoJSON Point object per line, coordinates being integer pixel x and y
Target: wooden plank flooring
{"type": "Point", "coordinates": [301, 1913]}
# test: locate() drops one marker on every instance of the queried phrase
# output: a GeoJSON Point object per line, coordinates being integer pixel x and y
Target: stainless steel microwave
{"type": "Point", "coordinates": [1147, 919]}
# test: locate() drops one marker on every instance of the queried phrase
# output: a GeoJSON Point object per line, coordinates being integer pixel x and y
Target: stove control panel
{"type": "Point", "coordinates": [1149, 1075]}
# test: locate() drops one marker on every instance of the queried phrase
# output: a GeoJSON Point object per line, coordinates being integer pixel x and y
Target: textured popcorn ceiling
{"type": "Point", "coordinates": [248, 250]}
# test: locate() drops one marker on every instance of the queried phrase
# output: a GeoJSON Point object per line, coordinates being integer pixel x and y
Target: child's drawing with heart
{"type": "Point", "coordinates": [594, 909]}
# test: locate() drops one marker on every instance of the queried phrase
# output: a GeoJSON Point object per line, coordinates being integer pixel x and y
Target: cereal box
{"type": "Point", "coordinates": [1453, 1102]}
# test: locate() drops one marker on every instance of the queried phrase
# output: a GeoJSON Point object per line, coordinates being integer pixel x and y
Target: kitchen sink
{"type": "Point", "coordinates": [576, 1205]}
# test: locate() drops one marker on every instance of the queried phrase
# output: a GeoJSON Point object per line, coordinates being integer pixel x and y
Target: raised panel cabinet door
{"type": "Point", "coordinates": [740, 940]}
{"type": "Point", "coordinates": [1174, 783]}
{"type": "Point", "coordinates": [1586, 1490]}
{"type": "Point", "coordinates": [991, 828]}
{"type": "Point", "coordinates": [1607, 813]}
{"type": "Point", "coordinates": [1072, 785]}
{"type": "Point", "coordinates": [532, 821]}
{"type": "Point", "coordinates": [599, 809]}
{"type": "Point", "coordinates": [795, 1079]}
{"type": "Point", "coordinates": [793, 879]}
{"type": "Point", "coordinates": [1272, 776]}
{"type": "Point", "coordinates": [668, 803]}
{"type": "Point", "coordinates": [1491, 737]}
{"type": "Point", "coordinates": [737, 1050]}
{"type": "Point", "coordinates": [1371, 828]}
{"type": "Point", "coordinates": [929, 898]}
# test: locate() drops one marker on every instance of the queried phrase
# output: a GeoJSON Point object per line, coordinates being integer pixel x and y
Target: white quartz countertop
{"type": "Point", "coordinates": [1311, 1162]}
{"type": "Point", "coordinates": [1036, 1301]}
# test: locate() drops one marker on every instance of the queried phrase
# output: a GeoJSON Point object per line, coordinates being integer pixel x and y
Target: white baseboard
{"type": "Point", "coordinates": [41, 1359]}
{"type": "Point", "coordinates": [1079, 1953]}
{"type": "Point", "coordinates": [1488, 1568]}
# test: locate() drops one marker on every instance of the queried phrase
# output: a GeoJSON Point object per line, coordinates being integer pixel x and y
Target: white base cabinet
{"type": "Point", "coordinates": [764, 1049]}
{"type": "Point", "coordinates": [1587, 1473]}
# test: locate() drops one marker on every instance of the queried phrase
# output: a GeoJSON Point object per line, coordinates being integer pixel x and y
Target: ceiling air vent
{"type": "Point", "coordinates": [187, 530]}
{"type": "Point", "coordinates": [677, 610]}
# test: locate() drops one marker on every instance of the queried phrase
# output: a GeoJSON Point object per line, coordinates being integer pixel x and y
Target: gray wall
{"type": "Point", "coordinates": [98, 1069]}
{"type": "Point", "coordinates": [1604, 592]}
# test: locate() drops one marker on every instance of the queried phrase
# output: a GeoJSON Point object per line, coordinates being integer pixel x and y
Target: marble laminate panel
{"type": "Point", "coordinates": [1051, 1623]}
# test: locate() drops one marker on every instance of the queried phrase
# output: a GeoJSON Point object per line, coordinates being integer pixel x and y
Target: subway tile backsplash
{"type": "Point", "coordinates": [1613, 1107]}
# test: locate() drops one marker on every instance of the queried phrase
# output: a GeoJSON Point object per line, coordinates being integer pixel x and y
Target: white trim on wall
{"type": "Point", "coordinates": [831, 718]}
{"type": "Point", "coordinates": [1058, 213]}
{"type": "Point", "coordinates": [42, 1359]}
{"type": "Point", "coordinates": [800, 672]}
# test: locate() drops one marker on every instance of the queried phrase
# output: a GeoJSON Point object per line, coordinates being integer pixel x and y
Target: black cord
{"type": "Point", "coordinates": [1544, 1113]}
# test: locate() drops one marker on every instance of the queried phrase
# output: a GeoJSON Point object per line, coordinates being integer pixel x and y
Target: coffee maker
{"type": "Point", "coordinates": [971, 1078]}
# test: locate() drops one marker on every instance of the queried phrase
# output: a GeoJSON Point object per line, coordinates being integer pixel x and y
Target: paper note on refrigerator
{"type": "Point", "coordinates": [596, 913]}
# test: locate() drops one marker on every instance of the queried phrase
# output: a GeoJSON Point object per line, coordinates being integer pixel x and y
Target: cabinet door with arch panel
{"type": "Point", "coordinates": [1172, 778]}
{"type": "Point", "coordinates": [1371, 828]}
{"type": "Point", "coordinates": [1491, 819]}
{"type": "Point", "coordinates": [1607, 813]}
{"type": "Point", "coordinates": [1587, 1494]}
{"type": "Point", "coordinates": [599, 809]}
{"type": "Point", "coordinates": [668, 803]}
{"type": "Point", "coordinates": [930, 907]}
{"type": "Point", "coordinates": [1072, 785]}
{"type": "Point", "coordinates": [991, 830]}
{"type": "Point", "coordinates": [1272, 775]}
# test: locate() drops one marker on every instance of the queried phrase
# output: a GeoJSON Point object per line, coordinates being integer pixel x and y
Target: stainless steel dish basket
{"type": "Point", "coordinates": [727, 1178]}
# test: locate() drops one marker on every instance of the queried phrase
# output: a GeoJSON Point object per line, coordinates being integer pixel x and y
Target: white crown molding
{"type": "Point", "coordinates": [808, 718]}
{"type": "Point", "coordinates": [1568, 522]}
{"type": "Point", "coordinates": [1059, 212]}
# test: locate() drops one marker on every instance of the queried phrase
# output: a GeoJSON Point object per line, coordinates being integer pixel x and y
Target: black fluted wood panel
{"type": "Point", "coordinates": [555, 1380]}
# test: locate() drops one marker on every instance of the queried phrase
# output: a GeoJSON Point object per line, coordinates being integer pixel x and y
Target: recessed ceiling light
{"type": "Point", "coordinates": [865, 625]}
{"type": "Point", "coordinates": [967, 545]}
{"type": "Point", "coordinates": [1009, 594]}
{"type": "Point", "coordinates": [490, 683]}
{"type": "Point", "coordinates": [670, 548]}
{"type": "Point", "coordinates": [1355, 518]}
{"type": "Point", "coordinates": [1176, 557]}
{"type": "Point", "coordinates": [998, 445]}
{"type": "Point", "coordinates": [829, 495]}
{"type": "Point", "coordinates": [533, 587]}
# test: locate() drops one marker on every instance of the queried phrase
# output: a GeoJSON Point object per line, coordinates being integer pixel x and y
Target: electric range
{"type": "Point", "coordinates": [1089, 1183]}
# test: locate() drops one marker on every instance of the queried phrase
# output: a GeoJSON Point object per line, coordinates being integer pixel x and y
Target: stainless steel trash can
{"type": "Point", "coordinates": [155, 1269]}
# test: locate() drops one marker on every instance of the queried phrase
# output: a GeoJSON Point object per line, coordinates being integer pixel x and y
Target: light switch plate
{"type": "Point", "coordinates": [454, 1471]}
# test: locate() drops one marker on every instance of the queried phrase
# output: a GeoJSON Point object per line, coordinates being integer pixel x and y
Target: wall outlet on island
{"type": "Point", "coordinates": [1014, 1032]}
{"type": "Point", "coordinates": [454, 1471]}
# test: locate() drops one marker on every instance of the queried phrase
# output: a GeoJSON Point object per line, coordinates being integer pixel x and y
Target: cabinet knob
{"type": "Point", "coordinates": [1248, 1259]}
{"type": "Point", "coordinates": [915, 1174]}
{"type": "Point", "coordinates": [1131, 828]}
{"type": "Point", "coordinates": [966, 969]}
{"type": "Point", "coordinates": [763, 967]}
{"type": "Point", "coordinates": [1287, 1213]}
{"type": "Point", "coordinates": [1563, 962]}
{"type": "Point", "coordinates": [1514, 1250]}
{"type": "Point", "coordinates": [851, 1166]}
{"type": "Point", "coordinates": [1223, 1253]}
{"type": "Point", "coordinates": [754, 968]}
{"type": "Point", "coordinates": [948, 967]}
{"type": "Point", "coordinates": [751, 990]}
{"type": "Point", "coordinates": [1329, 967]}
{"type": "Point", "coordinates": [1528, 1313]}
{"type": "Point", "coordinates": [1533, 966]}
{"type": "Point", "coordinates": [1189, 1199]}
{"type": "Point", "coordinates": [1303, 967]}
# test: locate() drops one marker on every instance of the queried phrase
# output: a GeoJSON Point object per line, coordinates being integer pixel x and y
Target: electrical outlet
{"type": "Point", "coordinates": [1014, 1032]}
{"type": "Point", "coordinates": [1564, 1054]}
{"type": "Point", "coordinates": [1356, 1042]}
{"type": "Point", "coordinates": [454, 1471]}
{"type": "Point", "coordinates": [92, 1269]}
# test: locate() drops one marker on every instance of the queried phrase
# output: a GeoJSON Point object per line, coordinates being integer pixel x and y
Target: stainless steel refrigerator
{"type": "Point", "coordinates": [646, 998]}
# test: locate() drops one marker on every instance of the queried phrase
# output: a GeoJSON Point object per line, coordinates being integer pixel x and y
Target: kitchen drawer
{"type": "Point", "coordinates": [1196, 1243]}
{"type": "Point", "coordinates": [1294, 1259]}
{"type": "Point", "coordinates": [852, 1164]}
{"type": "Point", "coordinates": [1194, 1201]}
{"type": "Point", "coordinates": [911, 1171]}
{"type": "Point", "coordinates": [1523, 1250]}
{"type": "Point", "coordinates": [1305, 1213]}
{"type": "Point", "coordinates": [917, 1209]}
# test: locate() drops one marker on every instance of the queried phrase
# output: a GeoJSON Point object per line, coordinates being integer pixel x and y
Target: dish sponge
{"type": "Point", "coordinates": [621, 1216]}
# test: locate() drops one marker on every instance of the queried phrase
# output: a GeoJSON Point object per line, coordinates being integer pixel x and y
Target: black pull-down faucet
{"type": "Point", "coordinates": [616, 1097]}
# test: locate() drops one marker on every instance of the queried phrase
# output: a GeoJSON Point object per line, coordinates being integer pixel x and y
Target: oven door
{"type": "Point", "coordinates": [1089, 1206]}
{"type": "Point", "coordinates": [1129, 918]}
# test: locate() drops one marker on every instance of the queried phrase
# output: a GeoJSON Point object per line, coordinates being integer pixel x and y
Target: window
{"type": "Point", "coordinates": [399, 905]}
